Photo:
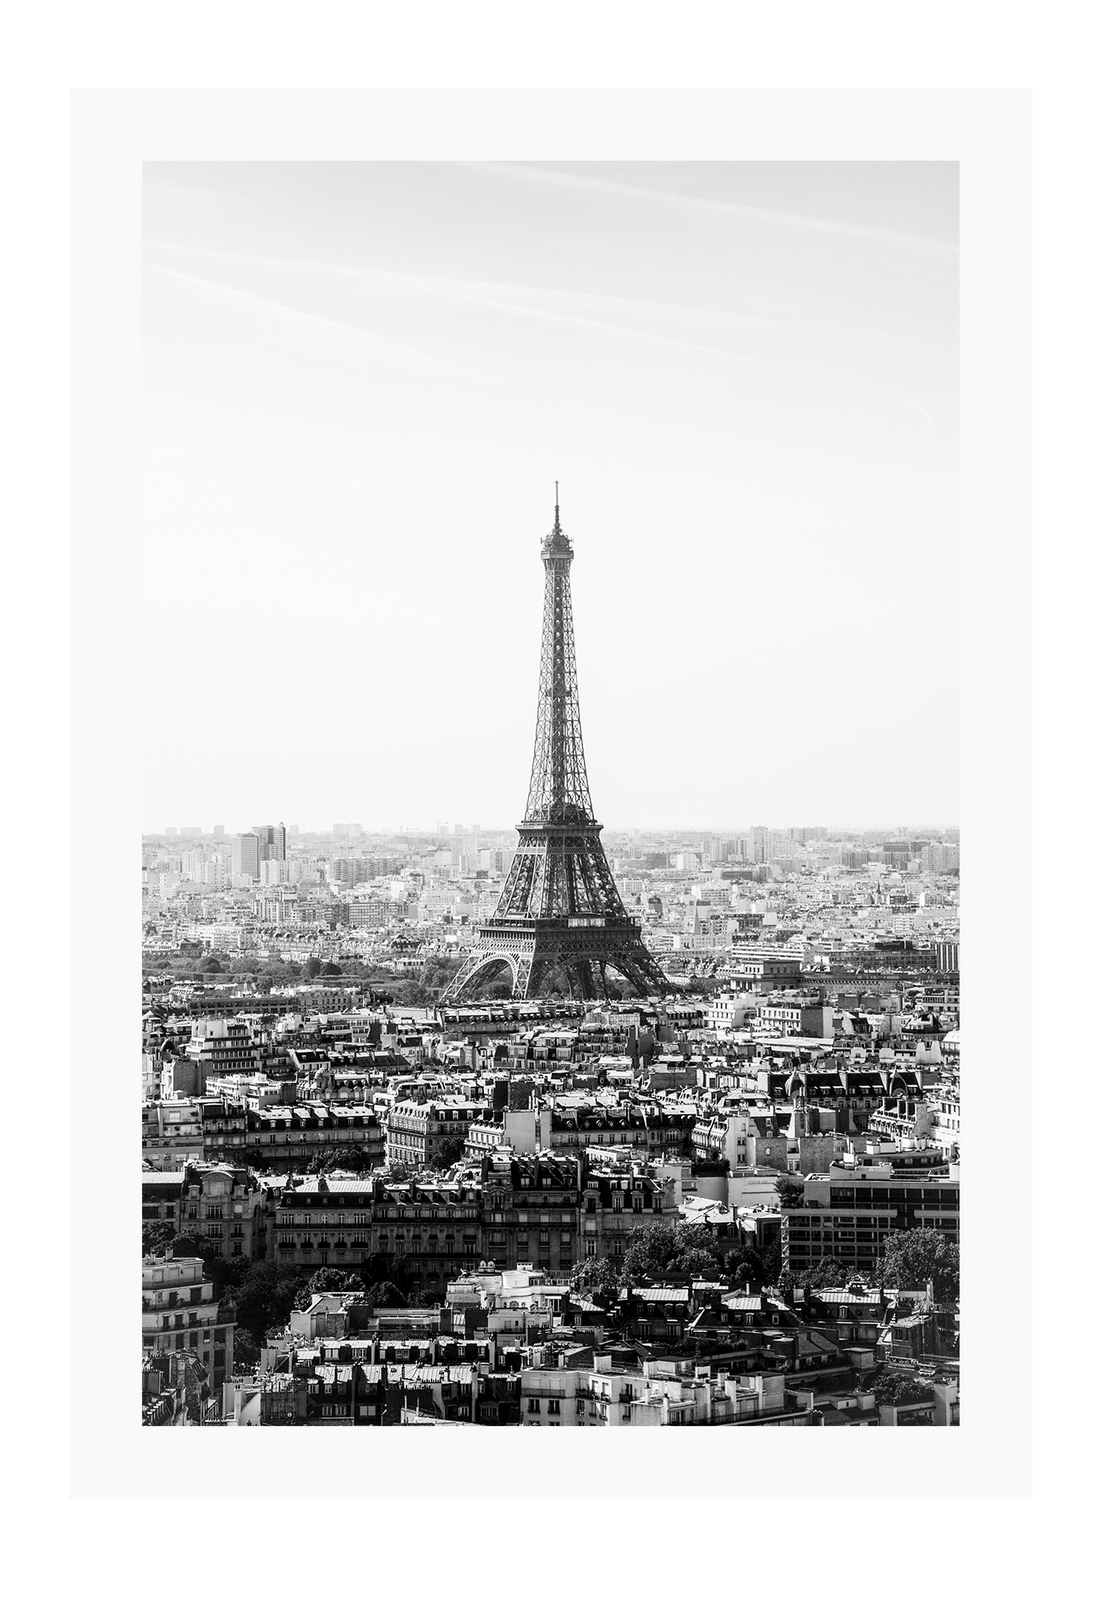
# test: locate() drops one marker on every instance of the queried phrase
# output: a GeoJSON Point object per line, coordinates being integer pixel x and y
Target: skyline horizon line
{"type": "Point", "coordinates": [423, 828]}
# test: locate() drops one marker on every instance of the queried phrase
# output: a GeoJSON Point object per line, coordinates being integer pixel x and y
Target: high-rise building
{"type": "Point", "coordinates": [219, 831]}
{"type": "Point", "coordinates": [246, 855]}
{"type": "Point", "coordinates": [272, 839]}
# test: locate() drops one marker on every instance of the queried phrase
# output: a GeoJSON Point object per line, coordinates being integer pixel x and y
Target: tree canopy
{"type": "Point", "coordinates": [157, 1237]}
{"type": "Point", "coordinates": [328, 1280]}
{"type": "Point", "coordinates": [384, 1293]}
{"type": "Point", "coordinates": [828, 1273]}
{"type": "Point", "coordinates": [911, 1259]}
{"type": "Point", "coordinates": [677, 1247]}
{"type": "Point", "coordinates": [896, 1388]}
{"type": "Point", "coordinates": [449, 1152]}
{"type": "Point", "coordinates": [596, 1277]}
{"type": "Point", "coordinates": [264, 1297]}
{"type": "Point", "coordinates": [353, 1158]}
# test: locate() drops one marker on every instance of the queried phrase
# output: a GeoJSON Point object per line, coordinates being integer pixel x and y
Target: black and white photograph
{"type": "Point", "coordinates": [551, 996]}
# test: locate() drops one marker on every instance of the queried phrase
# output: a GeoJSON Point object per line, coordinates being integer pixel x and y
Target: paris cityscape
{"type": "Point", "coordinates": [502, 1069]}
{"type": "Point", "coordinates": [553, 1124]}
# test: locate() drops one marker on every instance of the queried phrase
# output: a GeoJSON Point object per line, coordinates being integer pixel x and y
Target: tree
{"type": "Point", "coordinates": [354, 1158]}
{"type": "Point", "coordinates": [896, 1388]}
{"type": "Point", "coordinates": [384, 1293]}
{"type": "Point", "coordinates": [157, 1238]}
{"type": "Point", "coordinates": [692, 1250]}
{"type": "Point", "coordinates": [264, 1298]}
{"type": "Point", "coordinates": [449, 1152]}
{"type": "Point", "coordinates": [414, 994]}
{"type": "Point", "coordinates": [789, 1194]}
{"type": "Point", "coordinates": [828, 1273]}
{"type": "Point", "coordinates": [329, 969]}
{"type": "Point", "coordinates": [911, 1259]}
{"type": "Point", "coordinates": [222, 1272]}
{"type": "Point", "coordinates": [771, 1261]}
{"type": "Point", "coordinates": [212, 966]}
{"type": "Point", "coordinates": [311, 968]}
{"type": "Point", "coordinates": [748, 1264]}
{"type": "Point", "coordinates": [598, 1278]}
{"type": "Point", "coordinates": [329, 1280]}
{"type": "Point", "coordinates": [696, 1262]}
{"type": "Point", "coordinates": [246, 1352]}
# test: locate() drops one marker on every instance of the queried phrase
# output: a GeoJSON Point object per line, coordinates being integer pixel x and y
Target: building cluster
{"type": "Point", "coordinates": [519, 1347]}
{"type": "Point", "coordinates": [711, 906]}
{"type": "Point", "coordinates": [498, 1165]}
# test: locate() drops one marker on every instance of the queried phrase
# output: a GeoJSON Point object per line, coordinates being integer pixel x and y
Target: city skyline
{"type": "Point", "coordinates": [452, 827]}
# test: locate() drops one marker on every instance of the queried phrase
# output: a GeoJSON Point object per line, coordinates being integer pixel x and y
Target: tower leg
{"type": "Point", "coordinates": [585, 979]}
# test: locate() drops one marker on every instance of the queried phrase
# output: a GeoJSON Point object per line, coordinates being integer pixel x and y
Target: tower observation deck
{"type": "Point", "coordinates": [560, 917]}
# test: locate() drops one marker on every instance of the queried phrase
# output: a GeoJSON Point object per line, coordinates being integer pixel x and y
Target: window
{"type": "Point", "coordinates": [534, 1405]}
{"type": "Point", "coordinates": [553, 1407]}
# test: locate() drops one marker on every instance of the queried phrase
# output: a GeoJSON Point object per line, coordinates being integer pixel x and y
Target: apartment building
{"type": "Point", "coordinates": [171, 1134]}
{"type": "Point", "coordinates": [179, 1312]}
{"type": "Point", "coordinates": [226, 1204]}
{"type": "Point", "coordinates": [161, 1193]}
{"type": "Point", "coordinates": [848, 1214]}
{"type": "Point", "coordinates": [223, 1047]}
{"type": "Point", "coordinates": [418, 1134]}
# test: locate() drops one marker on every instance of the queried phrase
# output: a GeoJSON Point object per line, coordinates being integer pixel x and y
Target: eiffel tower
{"type": "Point", "coordinates": [560, 916]}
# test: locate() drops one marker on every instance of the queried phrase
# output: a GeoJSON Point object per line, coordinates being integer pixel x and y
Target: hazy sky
{"type": "Point", "coordinates": [361, 381]}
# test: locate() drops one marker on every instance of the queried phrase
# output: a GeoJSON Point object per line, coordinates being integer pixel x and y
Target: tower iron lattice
{"type": "Point", "coordinates": [560, 912]}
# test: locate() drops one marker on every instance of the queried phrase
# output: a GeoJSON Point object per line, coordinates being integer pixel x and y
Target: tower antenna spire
{"type": "Point", "coordinates": [557, 518]}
